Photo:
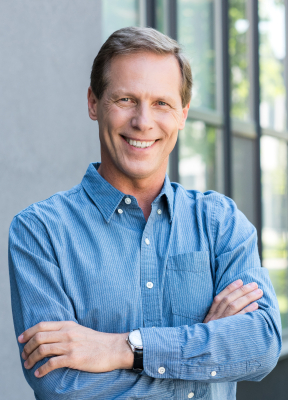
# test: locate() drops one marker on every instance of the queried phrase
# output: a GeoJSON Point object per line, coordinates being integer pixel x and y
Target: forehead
{"type": "Point", "coordinates": [145, 71]}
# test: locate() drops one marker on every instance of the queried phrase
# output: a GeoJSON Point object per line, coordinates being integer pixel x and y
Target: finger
{"type": "Point", "coordinates": [250, 308]}
{"type": "Point", "coordinates": [228, 300]}
{"type": "Point", "coordinates": [239, 304]}
{"type": "Point", "coordinates": [53, 363]}
{"type": "Point", "coordinates": [44, 326]}
{"type": "Point", "coordinates": [38, 339]}
{"type": "Point", "coordinates": [44, 350]}
{"type": "Point", "coordinates": [220, 296]}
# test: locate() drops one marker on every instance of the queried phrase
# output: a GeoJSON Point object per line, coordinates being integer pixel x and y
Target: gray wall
{"type": "Point", "coordinates": [46, 137]}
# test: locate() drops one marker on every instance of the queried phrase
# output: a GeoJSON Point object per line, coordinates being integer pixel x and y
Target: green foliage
{"type": "Point", "coordinates": [271, 68]}
{"type": "Point", "coordinates": [238, 50]}
{"type": "Point", "coordinates": [200, 139]}
{"type": "Point", "coordinates": [279, 278]}
{"type": "Point", "coordinates": [196, 35]}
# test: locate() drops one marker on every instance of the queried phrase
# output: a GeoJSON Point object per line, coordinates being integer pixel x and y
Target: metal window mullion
{"type": "Point", "coordinates": [226, 87]}
{"type": "Point", "coordinates": [151, 13]}
{"type": "Point", "coordinates": [255, 113]}
{"type": "Point", "coordinates": [286, 61]}
{"type": "Point", "coordinates": [172, 32]}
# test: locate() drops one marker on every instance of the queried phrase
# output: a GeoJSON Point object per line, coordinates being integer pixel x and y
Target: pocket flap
{"type": "Point", "coordinates": [194, 261]}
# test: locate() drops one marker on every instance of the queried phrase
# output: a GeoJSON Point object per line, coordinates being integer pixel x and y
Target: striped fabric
{"type": "Point", "coordinates": [87, 255]}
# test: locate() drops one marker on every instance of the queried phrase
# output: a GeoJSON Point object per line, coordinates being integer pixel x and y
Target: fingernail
{"type": "Point", "coordinates": [238, 282]}
{"type": "Point", "coordinates": [25, 364]}
{"type": "Point", "coordinates": [20, 338]}
{"type": "Point", "coordinates": [258, 291]}
{"type": "Point", "coordinates": [23, 355]}
{"type": "Point", "coordinates": [36, 373]}
{"type": "Point", "coordinates": [252, 285]}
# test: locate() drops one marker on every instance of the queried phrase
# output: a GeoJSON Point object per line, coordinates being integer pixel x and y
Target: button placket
{"type": "Point", "coordinates": [149, 278]}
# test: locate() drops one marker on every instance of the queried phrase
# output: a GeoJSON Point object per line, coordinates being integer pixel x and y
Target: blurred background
{"type": "Point", "coordinates": [235, 140]}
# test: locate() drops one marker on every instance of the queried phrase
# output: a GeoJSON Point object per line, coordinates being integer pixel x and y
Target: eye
{"type": "Point", "coordinates": [126, 99]}
{"type": "Point", "coordinates": [162, 103]}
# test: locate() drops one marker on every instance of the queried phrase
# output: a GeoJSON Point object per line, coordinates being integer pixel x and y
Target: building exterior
{"type": "Point", "coordinates": [235, 140]}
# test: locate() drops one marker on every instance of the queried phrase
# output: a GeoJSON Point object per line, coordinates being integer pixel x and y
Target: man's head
{"type": "Point", "coordinates": [133, 40]}
{"type": "Point", "coordinates": [140, 93]}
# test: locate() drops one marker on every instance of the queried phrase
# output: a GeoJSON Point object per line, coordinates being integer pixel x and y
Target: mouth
{"type": "Point", "coordinates": [139, 144]}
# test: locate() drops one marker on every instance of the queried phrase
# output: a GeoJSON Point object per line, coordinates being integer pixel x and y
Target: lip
{"type": "Point", "coordinates": [137, 140]}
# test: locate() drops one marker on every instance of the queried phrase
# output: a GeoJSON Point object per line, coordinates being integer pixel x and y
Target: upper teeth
{"type": "Point", "coordinates": [139, 144]}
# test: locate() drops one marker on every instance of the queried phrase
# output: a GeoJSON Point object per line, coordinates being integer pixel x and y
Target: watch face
{"type": "Point", "coordinates": [135, 338]}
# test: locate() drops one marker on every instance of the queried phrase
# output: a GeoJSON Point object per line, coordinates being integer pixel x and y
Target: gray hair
{"type": "Point", "coordinates": [134, 40]}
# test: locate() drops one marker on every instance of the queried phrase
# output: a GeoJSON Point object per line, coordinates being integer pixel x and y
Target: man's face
{"type": "Point", "coordinates": [139, 114]}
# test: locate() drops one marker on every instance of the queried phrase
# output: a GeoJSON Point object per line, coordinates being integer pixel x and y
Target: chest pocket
{"type": "Point", "coordinates": [190, 284]}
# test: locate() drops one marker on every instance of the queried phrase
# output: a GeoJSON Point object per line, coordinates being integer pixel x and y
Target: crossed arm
{"type": "Point", "coordinates": [74, 346]}
{"type": "Point", "coordinates": [238, 347]}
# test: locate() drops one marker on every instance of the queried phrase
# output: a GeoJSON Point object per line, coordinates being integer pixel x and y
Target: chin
{"type": "Point", "coordinates": [138, 172]}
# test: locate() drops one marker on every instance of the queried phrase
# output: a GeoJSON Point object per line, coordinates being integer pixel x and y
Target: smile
{"type": "Point", "coordinates": [139, 145]}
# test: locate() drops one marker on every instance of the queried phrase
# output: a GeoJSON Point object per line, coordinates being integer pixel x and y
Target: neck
{"type": "Point", "coordinates": [145, 190]}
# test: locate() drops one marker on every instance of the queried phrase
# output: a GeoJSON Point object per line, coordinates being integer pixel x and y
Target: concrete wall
{"type": "Point", "coordinates": [46, 137]}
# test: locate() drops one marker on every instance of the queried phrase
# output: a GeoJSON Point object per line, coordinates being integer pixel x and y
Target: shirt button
{"type": "Point", "coordinates": [147, 241]}
{"type": "Point", "coordinates": [161, 370]}
{"type": "Point", "coordinates": [120, 211]}
{"type": "Point", "coordinates": [213, 373]}
{"type": "Point", "coordinates": [190, 395]}
{"type": "Point", "coordinates": [128, 200]}
{"type": "Point", "coordinates": [159, 211]}
{"type": "Point", "coordinates": [149, 285]}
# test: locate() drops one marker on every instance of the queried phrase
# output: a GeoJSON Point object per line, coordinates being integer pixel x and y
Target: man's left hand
{"type": "Point", "coordinates": [76, 347]}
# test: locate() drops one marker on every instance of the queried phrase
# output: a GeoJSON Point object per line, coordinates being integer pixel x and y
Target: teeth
{"type": "Point", "coordinates": [140, 145]}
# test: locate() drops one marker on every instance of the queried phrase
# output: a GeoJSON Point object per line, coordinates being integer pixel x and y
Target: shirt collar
{"type": "Point", "coordinates": [107, 197]}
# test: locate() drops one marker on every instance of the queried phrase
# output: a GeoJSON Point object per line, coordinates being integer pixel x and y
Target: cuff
{"type": "Point", "coordinates": [162, 352]}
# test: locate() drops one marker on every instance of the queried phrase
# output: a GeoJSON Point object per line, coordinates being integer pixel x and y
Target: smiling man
{"type": "Point", "coordinates": [128, 251]}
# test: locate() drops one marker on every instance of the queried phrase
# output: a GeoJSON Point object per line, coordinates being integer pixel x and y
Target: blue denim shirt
{"type": "Point", "coordinates": [83, 255]}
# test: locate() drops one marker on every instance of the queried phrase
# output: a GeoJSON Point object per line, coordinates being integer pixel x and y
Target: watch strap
{"type": "Point", "coordinates": [138, 361]}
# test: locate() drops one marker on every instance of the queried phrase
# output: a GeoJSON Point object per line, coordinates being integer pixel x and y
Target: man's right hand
{"type": "Point", "coordinates": [235, 299]}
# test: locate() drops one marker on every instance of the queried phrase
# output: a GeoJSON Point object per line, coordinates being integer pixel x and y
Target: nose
{"type": "Point", "coordinates": [142, 120]}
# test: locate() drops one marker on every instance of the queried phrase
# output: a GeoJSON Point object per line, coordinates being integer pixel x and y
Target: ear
{"type": "Point", "coordinates": [92, 104]}
{"type": "Point", "coordinates": [184, 116]}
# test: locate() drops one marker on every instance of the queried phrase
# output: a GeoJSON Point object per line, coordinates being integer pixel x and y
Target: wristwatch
{"type": "Point", "coordinates": [134, 341]}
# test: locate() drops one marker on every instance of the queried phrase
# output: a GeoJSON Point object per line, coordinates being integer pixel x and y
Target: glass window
{"type": "Point", "coordinates": [118, 14]}
{"type": "Point", "coordinates": [243, 151]}
{"type": "Point", "coordinates": [275, 221]}
{"type": "Point", "coordinates": [161, 16]}
{"type": "Point", "coordinates": [238, 49]}
{"type": "Point", "coordinates": [198, 155]}
{"type": "Point", "coordinates": [196, 35]}
{"type": "Point", "coordinates": [272, 56]}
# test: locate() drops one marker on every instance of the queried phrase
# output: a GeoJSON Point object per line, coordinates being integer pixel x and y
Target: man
{"type": "Point", "coordinates": [127, 250]}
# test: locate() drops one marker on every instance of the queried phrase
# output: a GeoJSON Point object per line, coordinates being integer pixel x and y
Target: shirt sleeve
{"type": "Point", "coordinates": [38, 294]}
{"type": "Point", "coordinates": [241, 347]}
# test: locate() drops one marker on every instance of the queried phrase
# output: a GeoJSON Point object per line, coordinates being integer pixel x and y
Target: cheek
{"type": "Point", "coordinates": [113, 124]}
{"type": "Point", "coordinates": [168, 125]}
{"type": "Point", "coordinates": [118, 118]}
